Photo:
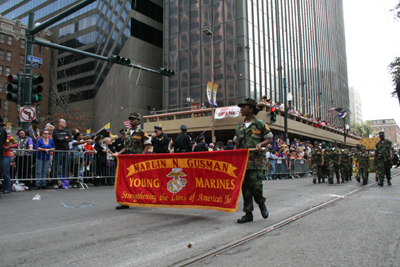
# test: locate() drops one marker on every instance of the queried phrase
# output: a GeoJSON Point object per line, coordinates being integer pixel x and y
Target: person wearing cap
{"type": "Point", "coordinates": [33, 131]}
{"type": "Point", "coordinates": [263, 103]}
{"type": "Point", "coordinates": [344, 167]}
{"type": "Point", "coordinates": [118, 144]}
{"type": "Point", "coordinates": [384, 152]}
{"type": "Point", "coordinates": [252, 133]}
{"type": "Point", "coordinates": [316, 159]}
{"type": "Point", "coordinates": [182, 143]}
{"type": "Point", "coordinates": [136, 141]}
{"type": "Point", "coordinates": [325, 161]}
{"type": "Point", "coordinates": [159, 140]}
{"type": "Point", "coordinates": [363, 165]}
{"type": "Point", "coordinates": [201, 144]}
{"type": "Point", "coordinates": [334, 163]}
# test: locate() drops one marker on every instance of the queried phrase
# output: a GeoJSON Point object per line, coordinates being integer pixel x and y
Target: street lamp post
{"type": "Point", "coordinates": [209, 33]}
{"type": "Point", "coordinates": [288, 99]}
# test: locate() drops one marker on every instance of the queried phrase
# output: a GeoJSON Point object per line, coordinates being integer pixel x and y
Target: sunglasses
{"type": "Point", "coordinates": [45, 133]}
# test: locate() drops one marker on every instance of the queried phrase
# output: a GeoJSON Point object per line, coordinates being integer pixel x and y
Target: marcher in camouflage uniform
{"type": "Point", "coordinates": [356, 156]}
{"type": "Point", "coordinates": [334, 163]}
{"type": "Point", "coordinates": [252, 133]}
{"type": "Point", "coordinates": [136, 141]}
{"type": "Point", "coordinates": [383, 159]}
{"type": "Point", "coordinates": [344, 168]}
{"type": "Point", "coordinates": [350, 167]}
{"type": "Point", "coordinates": [363, 165]}
{"type": "Point", "coordinates": [325, 161]}
{"type": "Point", "coordinates": [316, 159]}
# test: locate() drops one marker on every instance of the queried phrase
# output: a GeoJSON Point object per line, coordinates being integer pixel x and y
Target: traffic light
{"type": "Point", "coordinates": [273, 115]}
{"type": "Point", "coordinates": [167, 72]}
{"type": "Point", "coordinates": [37, 89]}
{"type": "Point", "coordinates": [120, 60]}
{"type": "Point", "coordinates": [12, 88]}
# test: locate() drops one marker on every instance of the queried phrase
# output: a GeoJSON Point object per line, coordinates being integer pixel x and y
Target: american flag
{"type": "Point", "coordinates": [127, 124]}
{"type": "Point", "coordinates": [335, 111]}
{"type": "Point", "coordinates": [343, 114]}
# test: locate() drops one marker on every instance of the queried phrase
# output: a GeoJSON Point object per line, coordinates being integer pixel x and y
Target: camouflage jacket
{"type": "Point", "coordinates": [334, 155]}
{"type": "Point", "coordinates": [316, 154]}
{"type": "Point", "coordinates": [249, 137]}
{"type": "Point", "coordinates": [326, 153]}
{"type": "Point", "coordinates": [364, 160]}
{"type": "Point", "coordinates": [136, 142]}
{"type": "Point", "coordinates": [383, 149]}
{"type": "Point", "coordinates": [346, 154]}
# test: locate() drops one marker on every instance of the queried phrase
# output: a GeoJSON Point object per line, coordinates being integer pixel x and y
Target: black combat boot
{"type": "Point", "coordinates": [323, 180]}
{"type": "Point", "coordinates": [246, 218]}
{"type": "Point", "coordinates": [380, 183]}
{"type": "Point", "coordinates": [264, 211]}
{"type": "Point", "coordinates": [389, 182]}
{"type": "Point", "coordinates": [314, 181]}
{"type": "Point", "coordinates": [319, 180]}
{"type": "Point", "coordinates": [338, 181]}
{"type": "Point", "coordinates": [358, 179]}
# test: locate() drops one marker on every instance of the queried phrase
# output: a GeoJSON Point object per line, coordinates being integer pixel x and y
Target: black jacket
{"type": "Point", "coordinates": [200, 147]}
{"type": "Point", "coordinates": [182, 144]}
{"type": "Point", "coordinates": [160, 143]}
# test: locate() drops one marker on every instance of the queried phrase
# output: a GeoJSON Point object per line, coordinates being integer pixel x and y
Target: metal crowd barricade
{"type": "Point", "coordinates": [287, 168]}
{"type": "Point", "coordinates": [75, 166]}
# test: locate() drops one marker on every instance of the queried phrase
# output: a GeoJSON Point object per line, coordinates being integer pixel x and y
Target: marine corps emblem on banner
{"type": "Point", "coordinates": [177, 183]}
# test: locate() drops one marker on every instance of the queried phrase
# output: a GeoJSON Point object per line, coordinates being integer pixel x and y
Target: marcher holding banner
{"type": "Point", "coordinates": [252, 133]}
{"type": "Point", "coordinates": [136, 141]}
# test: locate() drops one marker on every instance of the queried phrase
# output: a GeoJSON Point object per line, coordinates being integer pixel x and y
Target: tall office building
{"type": "Point", "coordinates": [106, 92]}
{"type": "Point", "coordinates": [355, 105]}
{"type": "Point", "coordinates": [258, 47]}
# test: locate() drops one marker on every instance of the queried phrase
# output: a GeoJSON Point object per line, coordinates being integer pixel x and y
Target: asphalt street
{"type": "Point", "coordinates": [359, 230]}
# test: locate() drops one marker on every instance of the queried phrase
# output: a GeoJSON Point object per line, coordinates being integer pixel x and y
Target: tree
{"type": "Point", "coordinates": [394, 66]}
{"type": "Point", "coordinates": [363, 129]}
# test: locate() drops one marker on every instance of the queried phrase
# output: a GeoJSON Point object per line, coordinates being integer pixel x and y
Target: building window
{"type": "Point", "coordinates": [1, 54]}
{"type": "Point", "coordinates": [9, 39]}
{"type": "Point", "coordinates": [5, 119]}
{"type": "Point", "coordinates": [40, 49]}
{"type": "Point", "coordinates": [21, 59]}
{"type": "Point", "coordinates": [2, 38]}
{"type": "Point", "coordinates": [23, 43]}
{"type": "Point", "coordinates": [1, 86]}
{"type": "Point", "coordinates": [8, 56]}
{"type": "Point", "coordinates": [8, 71]}
{"type": "Point", "coordinates": [5, 107]}
{"type": "Point", "coordinates": [38, 109]}
{"type": "Point", "coordinates": [1, 70]}
{"type": "Point", "coordinates": [0, 103]}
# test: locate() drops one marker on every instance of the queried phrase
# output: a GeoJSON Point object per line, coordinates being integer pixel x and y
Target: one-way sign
{"type": "Point", "coordinates": [35, 59]}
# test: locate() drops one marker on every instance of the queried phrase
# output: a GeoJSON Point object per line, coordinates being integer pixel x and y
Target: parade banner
{"type": "Point", "coordinates": [202, 180]}
{"type": "Point", "coordinates": [221, 113]}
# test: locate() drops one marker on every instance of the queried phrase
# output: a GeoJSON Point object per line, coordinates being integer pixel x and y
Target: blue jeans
{"type": "Point", "coordinates": [272, 170]}
{"type": "Point", "coordinates": [5, 169]}
{"type": "Point", "coordinates": [41, 171]}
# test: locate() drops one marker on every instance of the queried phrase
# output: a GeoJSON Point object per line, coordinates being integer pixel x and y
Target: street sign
{"type": "Point", "coordinates": [27, 114]}
{"type": "Point", "coordinates": [34, 65]}
{"type": "Point", "coordinates": [35, 59]}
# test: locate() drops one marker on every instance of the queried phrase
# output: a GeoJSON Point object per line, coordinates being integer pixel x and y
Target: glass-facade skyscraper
{"type": "Point", "coordinates": [260, 47]}
{"type": "Point", "coordinates": [129, 28]}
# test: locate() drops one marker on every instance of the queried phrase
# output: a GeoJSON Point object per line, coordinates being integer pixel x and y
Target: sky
{"type": "Point", "coordinates": [372, 42]}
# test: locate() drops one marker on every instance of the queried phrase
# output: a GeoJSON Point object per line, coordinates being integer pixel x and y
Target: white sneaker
{"type": "Point", "coordinates": [87, 168]}
{"type": "Point", "coordinates": [55, 186]}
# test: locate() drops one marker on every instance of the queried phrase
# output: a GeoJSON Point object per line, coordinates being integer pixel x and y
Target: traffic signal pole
{"type": "Point", "coordinates": [30, 34]}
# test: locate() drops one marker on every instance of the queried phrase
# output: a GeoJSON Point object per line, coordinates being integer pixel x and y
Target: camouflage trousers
{"type": "Point", "coordinates": [382, 169]}
{"type": "Point", "coordinates": [344, 170]}
{"type": "Point", "coordinates": [333, 168]}
{"type": "Point", "coordinates": [317, 171]}
{"type": "Point", "coordinates": [350, 170]}
{"type": "Point", "coordinates": [324, 170]}
{"type": "Point", "coordinates": [363, 173]}
{"type": "Point", "coordinates": [252, 187]}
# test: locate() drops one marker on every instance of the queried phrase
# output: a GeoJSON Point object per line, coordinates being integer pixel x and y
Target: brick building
{"type": "Point", "coordinates": [390, 127]}
{"type": "Point", "coordinates": [12, 61]}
